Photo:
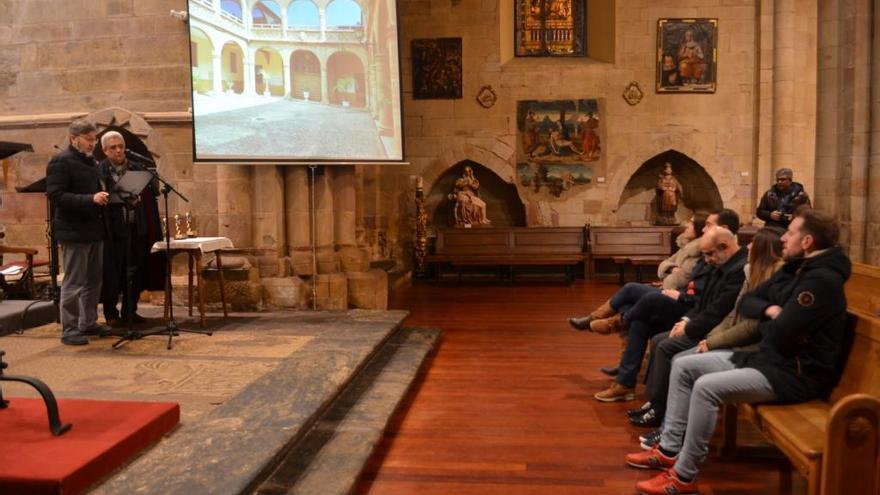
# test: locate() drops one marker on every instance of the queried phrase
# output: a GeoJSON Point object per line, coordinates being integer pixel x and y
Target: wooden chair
{"type": "Point", "coordinates": [20, 284]}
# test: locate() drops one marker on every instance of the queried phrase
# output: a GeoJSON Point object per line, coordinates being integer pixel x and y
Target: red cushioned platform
{"type": "Point", "coordinates": [105, 435]}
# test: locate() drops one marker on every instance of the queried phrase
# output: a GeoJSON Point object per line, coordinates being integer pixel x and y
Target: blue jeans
{"type": "Point", "coordinates": [653, 314]}
{"type": "Point", "coordinates": [624, 299]}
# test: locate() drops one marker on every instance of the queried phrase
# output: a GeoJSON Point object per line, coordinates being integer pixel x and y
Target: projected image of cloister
{"type": "Point", "coordinates": [295, 79]}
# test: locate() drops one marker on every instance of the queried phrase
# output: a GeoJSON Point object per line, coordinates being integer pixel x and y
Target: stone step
{"type": "Point", "coordinates": [329, 459]}
{"type": "Point", "coordinates": [237, 445]}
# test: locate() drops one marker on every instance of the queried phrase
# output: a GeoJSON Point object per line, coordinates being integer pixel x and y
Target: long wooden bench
{"type": "Point", "coordinates": [835, 445]}
{"type": "Point", "coordinates": [636, 246]}
{"type": "Point", "coordinates": [509, 247]}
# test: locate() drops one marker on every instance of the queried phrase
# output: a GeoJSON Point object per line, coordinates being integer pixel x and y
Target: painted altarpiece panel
{"type": "Point", "coordinates": [687, 55]}
{"type": "Point", "coordinates": [559, 144]}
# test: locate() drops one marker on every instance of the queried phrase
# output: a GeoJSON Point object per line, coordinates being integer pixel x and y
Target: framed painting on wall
{"type": "Point", "coordinates": [687, 55]}
{"type": "Point", "coordinates": [559, 144]}
{"type": "Point", "coordinates": [436, 68]}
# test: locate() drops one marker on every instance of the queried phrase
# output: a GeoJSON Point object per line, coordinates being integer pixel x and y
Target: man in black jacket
{"type": "Point", "coordinates": [778, 204]}
{"type": "Point", "coordinates": [803, 316]}
{"type": "Point", "coordinates": [128, 232]}
{"type": "Point", "coordinates": [78, 198]}
{"type": "Point", "coordinates": [723, 284]}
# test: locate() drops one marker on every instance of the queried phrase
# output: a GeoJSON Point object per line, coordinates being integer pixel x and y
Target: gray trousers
{"type": "Point", "coordinates": [81, 288]}
{"type": "Point", "coordinates": [698, 385]}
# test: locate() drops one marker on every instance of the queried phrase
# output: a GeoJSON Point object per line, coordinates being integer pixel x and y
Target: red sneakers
{"type": "Point", "coordinates": [667, 484]}
{"type": "Point", "coordinates": [651, 459]}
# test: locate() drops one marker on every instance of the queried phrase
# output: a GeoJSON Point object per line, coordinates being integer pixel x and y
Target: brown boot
{"type": "Point", "coordinates": [608, 325]}
{"type": "Point", "coordinates": [583, 323]}
{"type": "Point", "coordinates": [616, 392]}
{"type": "Point", "coordinates": [603, 311]}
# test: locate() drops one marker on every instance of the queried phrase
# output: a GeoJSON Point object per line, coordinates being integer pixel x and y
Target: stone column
{"type": "Point", "coordinates": [248, 76]}
{"type": "Point", "coordinates": [268, 218]}
{"type": "Point", "coordinates": [322, 15]}
{"type": "Point", "coordinates": [234, 205]}
{"type": "Point", "coordinates": [794, 88]}
{"type": "Point", "coordinates": [283, 23]}
{"type": "Point", "coordinates": [872, 220]}
{"type": "Point", "coordinates": [218, 70]}
{"type": "Point", "coordinates": [351, 258]}
{"type": "Point", "coordinates": [325, 88]}
{"type": "Point", "coordinates": [298, 221]}
{"type": "Point", "coordinates": [285, 62]}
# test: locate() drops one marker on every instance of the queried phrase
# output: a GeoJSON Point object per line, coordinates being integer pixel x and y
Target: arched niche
{"type": "Point", "coordinates": [305, 75]}
{"type": "Point", "coordinates": [503, 206]}
{"type": "Point", "coordinates": [637, 203]}
{"type": "Point", "coordinates": [269, 72]}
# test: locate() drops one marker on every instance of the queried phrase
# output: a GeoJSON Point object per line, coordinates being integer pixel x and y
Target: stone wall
{"type": "Point", "coordinates": [61, 59]}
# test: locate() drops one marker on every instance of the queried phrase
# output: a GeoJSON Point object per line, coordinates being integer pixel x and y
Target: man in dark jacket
{"type": "Point", "coordinates": [78, 198]}
{"type": "Point", "coordinates": [778, 204]}
{"type": "Point", "coordinates": [803, 317]}
{"type": "Point", "coordinates": [723, 284]}
{"type": "Point", "coordinates": [129, 229]}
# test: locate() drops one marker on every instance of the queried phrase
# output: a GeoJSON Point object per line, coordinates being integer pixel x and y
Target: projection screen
{"type": "Point", "coordinates": [295, 81]}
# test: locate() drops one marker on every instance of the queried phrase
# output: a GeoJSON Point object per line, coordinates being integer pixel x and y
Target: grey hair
{"type": "Point", "coordinates": [109, 135]}
{"type": "Point", "coordinates": [784, 172]}
{"type": "Point", "coordinates": [81, 126]}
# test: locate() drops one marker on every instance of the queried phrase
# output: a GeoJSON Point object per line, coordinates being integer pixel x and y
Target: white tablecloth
{"type": "Point", "coordinates": [205, 244]}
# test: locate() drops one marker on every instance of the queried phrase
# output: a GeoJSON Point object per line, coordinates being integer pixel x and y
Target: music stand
{"type": "Point", "coordinates": [124, 193]}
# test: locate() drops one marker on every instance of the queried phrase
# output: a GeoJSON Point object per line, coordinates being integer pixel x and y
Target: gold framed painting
{"type": "Point", "coordinates": [687, 55]}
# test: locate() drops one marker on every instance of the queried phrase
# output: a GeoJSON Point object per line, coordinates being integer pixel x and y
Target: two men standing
{"type": "Point", "coordinates": [92, 232]}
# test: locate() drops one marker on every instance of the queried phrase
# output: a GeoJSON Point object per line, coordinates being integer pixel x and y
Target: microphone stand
{"type": "Point", "coordinates": [171, 327]}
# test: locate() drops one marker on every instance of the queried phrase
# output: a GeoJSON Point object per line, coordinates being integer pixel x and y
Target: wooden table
{"type": "Point", "coordinates": [194, 247]}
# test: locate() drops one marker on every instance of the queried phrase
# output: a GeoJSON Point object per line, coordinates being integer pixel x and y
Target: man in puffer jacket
{"type": "Point", "coordinates": [803, 317]}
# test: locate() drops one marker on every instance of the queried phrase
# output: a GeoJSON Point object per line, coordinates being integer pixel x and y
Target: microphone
{"type": "Point", "coordinates": [137, 156]}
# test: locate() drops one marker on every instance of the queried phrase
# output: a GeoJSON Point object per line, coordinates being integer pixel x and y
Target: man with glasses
{"type": "Point", "coordinates": [78, 197]}
{"type": "Point", "coordinates": [779, 203]}
{"type": "Point", "coordinates": [654, 314]}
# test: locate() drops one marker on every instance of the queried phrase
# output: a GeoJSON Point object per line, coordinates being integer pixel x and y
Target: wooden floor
{"type": "Point", "coordinates": [506, 406]}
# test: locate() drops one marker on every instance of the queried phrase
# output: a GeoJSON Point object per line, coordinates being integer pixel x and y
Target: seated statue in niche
{"type": "Point", "coordinates": [669, 192]}
{"type": "Point", "coordinates": [469, 208]}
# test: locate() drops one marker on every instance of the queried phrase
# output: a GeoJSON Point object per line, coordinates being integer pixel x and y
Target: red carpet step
{"type": "Point", "coordinates": [105, 435]}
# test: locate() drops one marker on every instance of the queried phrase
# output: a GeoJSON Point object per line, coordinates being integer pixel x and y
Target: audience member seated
{"type": "Point", "coordinates": [656, 313]}
{"type": "Point", "coordinates": [802, 312]}
{"type": "Point", "coordinates": [765, 253]}
{"type": "Point", "coordinates": [677, 268]}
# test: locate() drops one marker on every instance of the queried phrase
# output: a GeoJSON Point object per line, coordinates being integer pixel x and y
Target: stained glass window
{"type": "Point", "coordinates": [550, 28]}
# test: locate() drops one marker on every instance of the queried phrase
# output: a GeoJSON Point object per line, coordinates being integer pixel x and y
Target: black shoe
{"type": "Point", "coordinates": [610, 370]}
{"type": "Point", "coordinates": [97, 330]}
{"type": "Point", "coordinates": [649, 440]}
{"type": "Point", "coordinates": [650, 419]}
{"type": "Point", "coordinates": [638, 412]}
{"type": "Point", "coordinates": [114, 321]}
{"type": "Point", "coordinates": [582, 323]}
{"type": "Point", "coordinates": [75, 339]}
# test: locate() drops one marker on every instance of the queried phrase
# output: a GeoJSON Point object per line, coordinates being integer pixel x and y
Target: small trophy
{"type": "Point", "coordinates": [190, 232]}
{"type": "Point", "coordinates": [177, 233]}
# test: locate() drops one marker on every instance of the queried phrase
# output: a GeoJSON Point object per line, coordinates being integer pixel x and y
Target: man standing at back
{"type": "Point", "coordinates": [778, 204]}
{"type": "Point", "coordinates": [74, 187]}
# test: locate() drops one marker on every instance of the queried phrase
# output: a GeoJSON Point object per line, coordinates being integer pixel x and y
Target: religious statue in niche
{"type": "Point", "coordinates": [559, 145]}
{"type": "Point", "coordinates": [550, 28]}
{"type": "Point", "coordinates": [470, 210]}
{"type": "Point", "coordinates": [669, 192]}
{"type": "Point", "coordinates": [437, 69]}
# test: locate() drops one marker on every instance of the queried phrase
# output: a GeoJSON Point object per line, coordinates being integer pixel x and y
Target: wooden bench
{"type": "Point", "coordinates": [835, 445]}
{"type": "Point", "coordinates": [636, 246]}
{"type": "Point", "coordinates": [509, 247]}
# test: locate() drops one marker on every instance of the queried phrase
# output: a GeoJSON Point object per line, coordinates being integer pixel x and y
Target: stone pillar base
{"type": "Point", "coordinates": [331, 291]}
{"type": "Point", "coordinates": [285, 292]}
{"type": "Point", "coordinates": [368, 290]}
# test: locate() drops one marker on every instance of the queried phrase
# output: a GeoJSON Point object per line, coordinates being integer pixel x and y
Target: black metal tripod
{"type": "Point", "coordinates": [171, 327]}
